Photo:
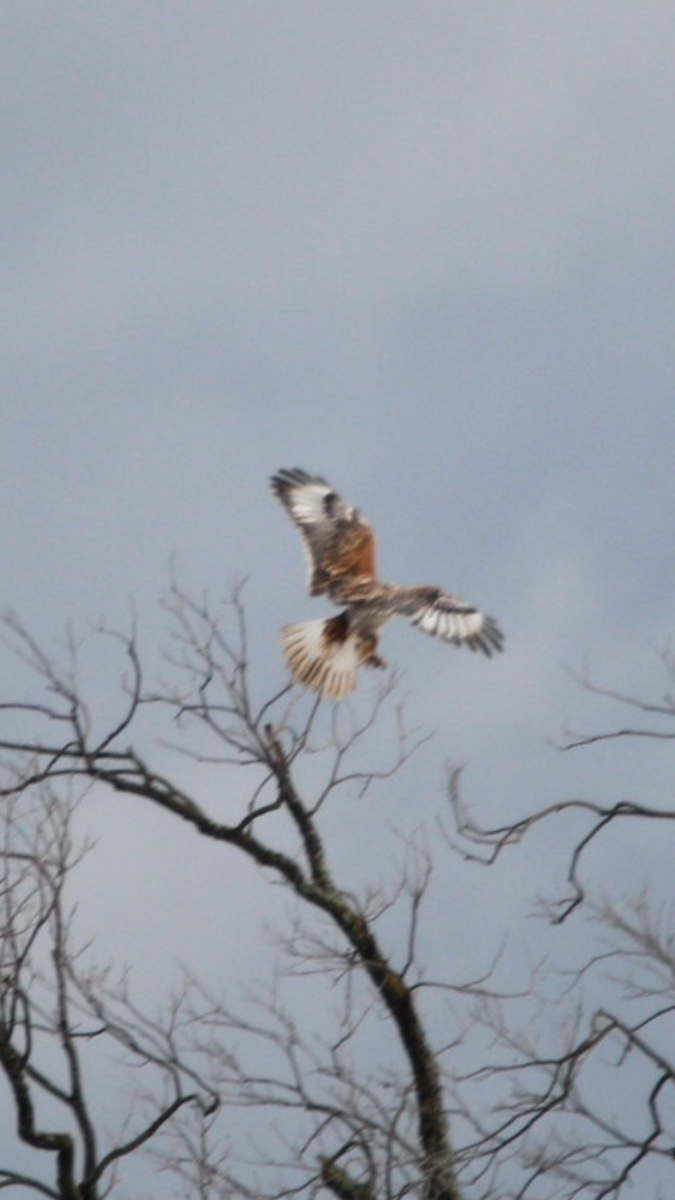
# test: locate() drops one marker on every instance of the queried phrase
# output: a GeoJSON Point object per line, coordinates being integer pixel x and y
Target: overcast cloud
{"type": "Point", "coordinates": [426, 250]}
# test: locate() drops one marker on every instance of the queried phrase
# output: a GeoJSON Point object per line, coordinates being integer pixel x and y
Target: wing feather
{"type": "Point", "coordinates": [449, 618]}
{"type": "Point", "coordinates": [339, 542]}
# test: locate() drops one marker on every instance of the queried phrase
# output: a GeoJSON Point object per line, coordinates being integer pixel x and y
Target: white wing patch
{"type": "Point", "coordinates": [451, 620]}
{"type": "Point", "coordinates": [307, 503]}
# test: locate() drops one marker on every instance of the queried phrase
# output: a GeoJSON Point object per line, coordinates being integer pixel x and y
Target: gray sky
{"type": "Point", "coordinates": [425, 250]}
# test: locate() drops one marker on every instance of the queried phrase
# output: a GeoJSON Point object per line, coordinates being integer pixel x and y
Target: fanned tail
{"type": "Point", "coordinates": [323, 655]}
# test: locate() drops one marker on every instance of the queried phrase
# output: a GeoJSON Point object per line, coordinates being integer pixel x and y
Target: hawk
{"type": "Point", "coordinates": [324, 655]}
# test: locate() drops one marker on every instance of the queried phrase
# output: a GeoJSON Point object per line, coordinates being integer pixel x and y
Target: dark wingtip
{"type": "Point", "coordinates": [492, 638]}
{"type": "Point", "coordinates": [288, 477]}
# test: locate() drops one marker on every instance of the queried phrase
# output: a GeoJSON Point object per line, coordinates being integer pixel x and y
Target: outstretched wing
{"type": "Point", "coordinates": [340, 544]}
{"type": "Point", "coordinates": [448, 618]}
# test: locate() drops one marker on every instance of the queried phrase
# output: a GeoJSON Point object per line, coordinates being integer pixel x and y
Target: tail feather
{"type": "Point", "coordinates": [322, 655]}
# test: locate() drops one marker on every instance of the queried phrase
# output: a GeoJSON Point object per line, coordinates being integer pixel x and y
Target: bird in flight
{"type": "Point", "coordinates": [324, 655]}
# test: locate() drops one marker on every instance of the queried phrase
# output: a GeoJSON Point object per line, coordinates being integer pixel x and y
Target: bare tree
{"type": "Point", "coordinates": [349, 1131]}
{"type": "Point", "coordinates": [557, 1088]}
{"type": "Point", "coordinates": [51, 1017]}
{"type": "Point", "coordinates": [583, 1060]}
